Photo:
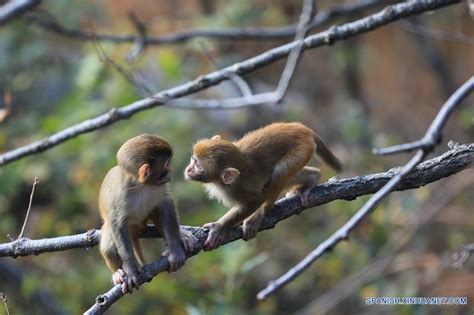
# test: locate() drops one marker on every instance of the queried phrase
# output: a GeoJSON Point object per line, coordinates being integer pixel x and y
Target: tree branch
{"type": "Point", "coordinates": [247, 33]}
{"type": "Point", "coordinates": [449, 163]}
{"type": "Point", "coordinates": [15, 8]}
{"type": "Point", "coordinates": [334, 34]}
{"type": "Point", "coordinates": [424, 146]}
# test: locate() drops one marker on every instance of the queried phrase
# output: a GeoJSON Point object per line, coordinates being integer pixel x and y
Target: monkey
{"type": "Point", "coordinates": [134, 192]}
{"type": "Point", "coordinates": [249, 174]}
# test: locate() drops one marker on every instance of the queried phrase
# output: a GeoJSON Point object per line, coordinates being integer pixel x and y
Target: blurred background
{"type": "Point", "coordinates": [376, 89]}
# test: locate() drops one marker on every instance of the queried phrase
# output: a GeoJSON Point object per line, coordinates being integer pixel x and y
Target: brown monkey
{"type": "Point", "coordinates": [132, 193]}
{"type": "Point", "coordinates": [248, 175]}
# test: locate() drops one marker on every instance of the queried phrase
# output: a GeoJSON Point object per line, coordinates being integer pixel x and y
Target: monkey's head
{"type": "Point", "coordinates": [215, 160]}
{"type": "Point", "coordinates": [147, 158]}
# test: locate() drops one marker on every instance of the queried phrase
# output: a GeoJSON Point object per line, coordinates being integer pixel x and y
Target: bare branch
{"type": "Point", "coordinates": [15, 8]}
{"type": "Point", "coordinates": [431, 138]}
{"type": "Point", "coordinates": [334, 34]}
{"type": "Point", "coordinates": [248, 33]}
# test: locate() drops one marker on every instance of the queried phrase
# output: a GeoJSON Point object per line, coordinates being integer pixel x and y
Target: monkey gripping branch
{"type": "Point", "coordinates": [449, 163]}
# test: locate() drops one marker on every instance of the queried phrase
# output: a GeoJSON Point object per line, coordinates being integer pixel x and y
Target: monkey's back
{"type": "Point", "coordinates": [268, 145]}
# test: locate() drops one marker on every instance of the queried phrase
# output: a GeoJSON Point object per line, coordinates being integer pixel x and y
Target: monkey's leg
{"type": "Point", "coordinates": [137, 249]}
{"type": "Point", "coordinates": [288, 168]}
{"type": "Point", "coordinates": [284, 171]}
{"type": "Point", "coordinates": [135, 232]}
{"type": "Point", "coordinates": [122, 238]}
{"type": "Point", "coordinates": [109, 252]}
{"type": "Point", "coordinates": [303, 182]}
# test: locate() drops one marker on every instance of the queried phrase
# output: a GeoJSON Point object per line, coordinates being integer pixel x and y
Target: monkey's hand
{"type": "Point", "coordinates": [188, 240]}
{"type": "Point", "coordinates": [215, 237]}
{"type": "Point", "coordinates": [130, 281]}
{"type": "Point", "coordinates": [176, 257]}
{"type": "Point", "coordinates": [251, 225]}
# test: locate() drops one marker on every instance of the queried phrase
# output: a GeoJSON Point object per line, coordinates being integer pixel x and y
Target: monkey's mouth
{"type": "Point", "coordinates": [197, 178]}
{"type": "Point", "coordinates": [166, 177]}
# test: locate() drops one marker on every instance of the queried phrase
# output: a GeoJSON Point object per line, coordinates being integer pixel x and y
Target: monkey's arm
{"type": "Point", "coordinates": [218, 229]}
{"type": "Point", "coordinates": [121, 236]}
{"type": "Point", "coordinates": [168, 218]}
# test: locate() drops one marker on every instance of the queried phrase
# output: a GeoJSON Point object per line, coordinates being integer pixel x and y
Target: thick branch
{"type": "Point", "coordinates": [14, 8]}
{"type": "Point", "coordinates": [337, 33]}
{"type": "Point", "coordinates": [432, 170]}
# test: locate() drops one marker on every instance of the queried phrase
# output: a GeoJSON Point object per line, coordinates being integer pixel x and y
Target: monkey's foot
{"type": "Point", "coordinates": [130, 281]}
{"type": "Point", "coordinates": [118, 276]}
{"type": "Point", "coordinates": [302, 193]}
{"type": "Point", "coordinates": [251, 225]}
{"type": "Point", "coordinates": [215, 237]}
{"type": "Point", "coordinates": [176, 257]}
{"type": "Point", "coordinates": [188, 240]}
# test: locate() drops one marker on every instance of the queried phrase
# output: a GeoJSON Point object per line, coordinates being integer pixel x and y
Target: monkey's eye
{"type": "Point", "coordinates": [197, 165]}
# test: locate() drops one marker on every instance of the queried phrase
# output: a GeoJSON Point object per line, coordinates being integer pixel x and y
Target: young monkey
{"type": "Point", "coordinates": [248, 175]}
{"type": "Point", "coordinates": [132, 193]}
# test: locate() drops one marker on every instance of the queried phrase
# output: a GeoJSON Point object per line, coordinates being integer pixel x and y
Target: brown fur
{"type": "Point", "coordinates": [132, 193]}
{"type": "Point", "coordinates": [258, 167]}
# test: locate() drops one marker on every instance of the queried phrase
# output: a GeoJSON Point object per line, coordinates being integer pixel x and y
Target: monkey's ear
{"type": "Point", "coordinates": [216, 137]}
{"type": "Point", "coordinates": [144, 172]}
{"type": "Point", "coordinates": [229, 175]}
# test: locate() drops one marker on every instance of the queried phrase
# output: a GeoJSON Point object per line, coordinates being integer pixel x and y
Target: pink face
{"type": "Point", "coordinates": [194, 170]}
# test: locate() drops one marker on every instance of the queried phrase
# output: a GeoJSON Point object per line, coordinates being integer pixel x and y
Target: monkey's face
{"type": "Point", "coordinates": [160, 171]}
{"type": "Point", "coordinates": [195, 170]}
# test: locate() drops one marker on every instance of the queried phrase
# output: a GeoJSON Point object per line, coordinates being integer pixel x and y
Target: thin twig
{"type": "Point", "coordinates": [309, 8]}
{"type": "Point", "coordinates": [29, 207]}
{"type": "Point", "coordinates": [240, 83]}
{"type": "Point", "coordinates": [431, 138]}
{"type": "Point", "coordinates": [334, 34]}
{"type": "Point", "coordinates": [141, 86]}
{"type": "Point", "coordinates": [4, 298]}
{"type": "Point", "coordinates": [140, 44]}
{"type": "Point", "coordinates": [50, 24]}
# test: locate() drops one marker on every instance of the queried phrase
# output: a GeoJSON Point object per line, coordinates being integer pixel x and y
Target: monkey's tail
{"type": "Point", "coordinates": [327, 156]}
